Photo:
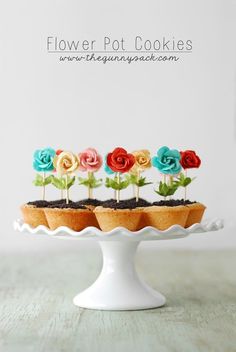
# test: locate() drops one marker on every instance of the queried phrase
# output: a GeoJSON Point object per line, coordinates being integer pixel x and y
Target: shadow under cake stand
{"type": "Point", "coordinates": [119, 287]}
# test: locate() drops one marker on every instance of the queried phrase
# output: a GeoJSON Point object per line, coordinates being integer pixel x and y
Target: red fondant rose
{"type": "Point", "coordinates": [120, 161]}
{"type": "Point", "coordinates": [189, 159]}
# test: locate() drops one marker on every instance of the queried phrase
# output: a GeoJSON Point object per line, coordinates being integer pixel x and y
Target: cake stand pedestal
{"type": "Point", "coordinates": [119, 287]}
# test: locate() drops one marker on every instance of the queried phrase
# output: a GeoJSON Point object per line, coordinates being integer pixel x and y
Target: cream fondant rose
{"type": "Point", "coordinates": [66, 163]}
{"type": "Point", "coordinates": [142, 160]}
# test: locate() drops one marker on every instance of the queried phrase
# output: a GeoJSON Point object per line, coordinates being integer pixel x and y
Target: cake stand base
{"type": "Point", "coordinates": [118, 286]}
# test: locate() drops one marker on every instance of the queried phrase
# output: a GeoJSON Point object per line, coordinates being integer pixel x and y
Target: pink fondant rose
{"type": "Point", "coordinates": [90, 160]}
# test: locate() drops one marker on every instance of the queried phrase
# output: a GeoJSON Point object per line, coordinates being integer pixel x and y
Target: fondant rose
{"type": "Point", "coordinates": [167, 161]}
{"type": "Point", "coordinates": [142, 160]}
{"type": "Point", "coordinates": [120, 161]}
{"type": "Point", "coordinates": [66, 163]}
{"type": "Point", "coordinates": [43, 160]}
{"type": "Point", "coordinates": [189, 159]}
{"type": "Point", "coordinates": [90, 160]}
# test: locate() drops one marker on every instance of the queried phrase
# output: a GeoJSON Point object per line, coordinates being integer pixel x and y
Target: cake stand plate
{"type": "Point", "coordinates": [119, 287]}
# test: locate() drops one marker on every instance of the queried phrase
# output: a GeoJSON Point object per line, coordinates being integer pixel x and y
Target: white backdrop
{"type": "Point", "coordinates": [188, 104]}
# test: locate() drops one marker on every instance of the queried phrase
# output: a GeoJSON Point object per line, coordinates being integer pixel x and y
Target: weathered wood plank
{"type": "Point", "coordinates": [37, 314]}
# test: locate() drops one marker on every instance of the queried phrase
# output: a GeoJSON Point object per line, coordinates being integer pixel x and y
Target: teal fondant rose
{"type": "Point", "coordinates": [167, 161]}
{"type": "Point", "coordinates": [43, 159]}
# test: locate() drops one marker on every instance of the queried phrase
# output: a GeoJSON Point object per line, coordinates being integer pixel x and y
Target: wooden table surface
{"type": "Point", "coordinates": [37, 314]}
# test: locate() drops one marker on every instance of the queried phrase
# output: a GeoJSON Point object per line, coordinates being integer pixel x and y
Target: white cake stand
{"type": "Point", "coordinates": [119, 287]}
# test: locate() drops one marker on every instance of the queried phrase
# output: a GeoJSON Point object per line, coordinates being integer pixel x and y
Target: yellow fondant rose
{"type": "Point", "coordinates": [66, 163]}
{"type": "Point", "coordinates": [142, 160]}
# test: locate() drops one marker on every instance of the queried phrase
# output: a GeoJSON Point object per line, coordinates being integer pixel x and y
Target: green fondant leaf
{"type": "Point", "coordinates": [184, 181]}
{"type": "Point", "coordinates": [70, 182]}
{"type": "Point", "coordinates": [118, 186]}
{"type": "Point", "coordinates": [166, 190]}
{"type": "Point", "coordinates": [40, 181]}
{"type": "Point", "coordinates": [134, 180]}
{"type": "Point", "coordinates": [58, 182]}
{"type": "Point", "coordinates": [91, 181]}
{"type": "Point", "coordinates": [47, 180]}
